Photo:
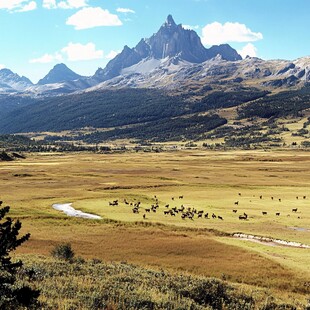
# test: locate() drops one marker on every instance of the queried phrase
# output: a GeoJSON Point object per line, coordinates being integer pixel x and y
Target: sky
{"type": "Point", "coordinates": [35, 35]}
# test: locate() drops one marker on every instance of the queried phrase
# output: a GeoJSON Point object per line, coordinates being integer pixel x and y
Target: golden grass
{"type": "Point", "coordinates": [209, 181]}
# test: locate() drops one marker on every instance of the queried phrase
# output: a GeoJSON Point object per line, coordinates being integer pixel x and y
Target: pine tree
{"type": "Point", "coordinates": [13, 295]}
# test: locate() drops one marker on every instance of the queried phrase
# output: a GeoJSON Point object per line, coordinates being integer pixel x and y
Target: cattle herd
{"type": "Point", "coordinates": [187, 212]}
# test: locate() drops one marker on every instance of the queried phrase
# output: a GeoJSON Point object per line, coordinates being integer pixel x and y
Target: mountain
{"type": "Point", "coordinates": [171, 41]}
{"type": "Point", "coordinates": [12, 82]}
{"type": "Point", "coordinates": [59, 74]}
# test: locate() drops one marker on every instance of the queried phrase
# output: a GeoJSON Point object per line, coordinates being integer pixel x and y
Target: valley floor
{"type": "Point", "coordinates": [270, 187]}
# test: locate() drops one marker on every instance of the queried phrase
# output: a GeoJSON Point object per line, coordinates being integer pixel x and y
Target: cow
{"type": "Point", "coordinates": [264, 212]}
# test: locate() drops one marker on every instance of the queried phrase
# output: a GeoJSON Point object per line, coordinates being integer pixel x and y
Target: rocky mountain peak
{"type": "Point", "coordinates": [60, 73]}
{"type": "Point", "coordinates": [12, 81]}
{"type": "Point", "coordinates": [172, 41]}
{"type": "Point", "coordinates": [169, 22]}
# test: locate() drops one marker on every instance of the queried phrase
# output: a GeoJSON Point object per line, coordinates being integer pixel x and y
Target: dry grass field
{"type": "Point", "coordinates": [209, 181]}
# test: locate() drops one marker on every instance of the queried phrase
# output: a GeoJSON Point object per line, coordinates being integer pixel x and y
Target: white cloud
{"type": "Point", "coordinates": [248, 50]}
{"type": "Point", "coordinates": [68, 4]}
{"type": "Point", "coordinates": [189, 27]}
{"type": "Point", "coordinates": [2, 66]}
{"type": "Point", "coordinates": [18, 5]}
{"type": "Point", "coordinates": [123, 10]}
{"type": "Point", "coordinates": [28, 7]}
{"type": "Point", "coordinates": [49, 4]}
{"type": "Point", "coordinates": [93, 17]}
{"type": "Point", "coordinates": [71, 52]}
{"type": "Point", "coordinates": [112, 54]}
{"type": "Point", "coordinates": [47, 58]}
{"type": "Point", "coordinates": [77, 51]}
{"type": "Point", "coordinates": [216, 33]}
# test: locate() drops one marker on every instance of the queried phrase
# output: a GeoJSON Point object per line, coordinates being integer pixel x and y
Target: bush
{"type": "Point", "coordinates": [63, 251]}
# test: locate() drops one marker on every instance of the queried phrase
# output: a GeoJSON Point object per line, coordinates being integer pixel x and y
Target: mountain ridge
{"type": "Point", "coordinates": [172, 58]}
{"type": "Point", "coordinates": [171, 40]}
{"type": "Point", "coordinates": [58, 74]}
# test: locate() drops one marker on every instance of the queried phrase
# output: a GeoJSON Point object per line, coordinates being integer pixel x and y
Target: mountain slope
{"type": "Point", "coordinates": [12, 82]}
{"type": "Point", "coordinates": [59, 74]}
{"type": "Point", "coordinates": [171, 41]}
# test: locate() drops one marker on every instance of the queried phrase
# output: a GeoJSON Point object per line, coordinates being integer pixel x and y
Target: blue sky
{"type": "Point", "coordinates": [84, 34]}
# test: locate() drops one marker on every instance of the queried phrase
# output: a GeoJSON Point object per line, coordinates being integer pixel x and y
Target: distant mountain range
{"type": "Point", "coordinates": [170, 58]}
{"type": "Point", "coordinates": [167, 87]}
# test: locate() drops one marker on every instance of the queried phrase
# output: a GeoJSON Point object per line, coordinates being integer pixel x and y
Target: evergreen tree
{"type": "Point", "coordinates": [13, 295]}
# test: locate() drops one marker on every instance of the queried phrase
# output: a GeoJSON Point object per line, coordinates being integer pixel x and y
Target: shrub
{"type": "Point", "coordinates": [63, 251]}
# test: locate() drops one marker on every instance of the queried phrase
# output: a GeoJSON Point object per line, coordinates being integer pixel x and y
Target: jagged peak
{"type": "Point", "coordinates": [170, 21]}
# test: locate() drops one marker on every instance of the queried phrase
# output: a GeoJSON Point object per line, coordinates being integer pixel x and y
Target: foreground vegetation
{"type": "Point", "coordinates": [93, 284]}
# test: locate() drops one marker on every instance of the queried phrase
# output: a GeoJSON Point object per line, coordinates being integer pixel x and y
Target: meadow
{"type": "Point", "coordinates": [215, 182]}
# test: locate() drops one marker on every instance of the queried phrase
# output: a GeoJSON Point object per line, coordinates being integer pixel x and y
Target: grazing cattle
{"type": "Point", "coordinates": [236, 203]}
{"type": "Point", "coordinates": [239, 194]}
{"type": "Point", "coordinates": [302, 197]}
{"type": "Point", "coordinates": [135, 210]}
{"type": "Point", "coordinates": [166, 212]}
{"type": "Point", "coordinates": [294, 210]}
{"type": "Point", "coordinates": [260, 197]}
{"type": "Point", "coordinates": [219, 217]}
{"type": "Point", "coordinates": [235, 211]}
{"type": "Point", "coordinates": [213, 216]}
{"type": "Point", "coordinates": [264, 212]}
{"type": "Point", "coordinates": [245, 214]}
{"type": "Point", "coordinates": [296, 197]}
{"type": "Point", "coordinates": [181, 197]}
{"type": "Point", "coordinates": [144, 216]}
{"type": "Point", "coordinates": [200, 215]}
{"type": "Point", "coordinates": [1, 202]}
{"type": "Point", "coordinates": [172, 198]}
{"type": "Point", "coordinates": [147, 210]}
{"type": "Point", "coordinates": [166, 206]}
{"type": "Point", "coordinates": [172, 213]}
{"type": "Point", "coordinates": [271, 198]}
{"type": "Point", "coordinates": [279, 199]}
{"type": "Point", "coordinates": [190, 216]}
{"type": "Point", "coordinates": [206, 215]}
{"type": "Point", "coordinates": [242, 217]}
{"type": "Point", "coordinates": [278, 213]}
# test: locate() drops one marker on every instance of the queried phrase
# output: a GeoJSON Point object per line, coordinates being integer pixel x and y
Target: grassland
{"type": "Point", "coordinates": [208, 181]}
